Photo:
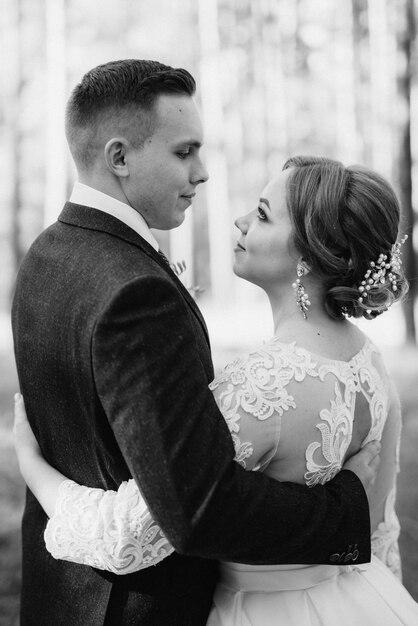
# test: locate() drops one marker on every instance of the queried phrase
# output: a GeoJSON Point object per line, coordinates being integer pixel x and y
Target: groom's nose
{"type": "Point", "coordinates": [200, 174]}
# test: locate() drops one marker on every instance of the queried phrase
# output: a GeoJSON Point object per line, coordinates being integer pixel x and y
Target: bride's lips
{"type": "Point", "coordinates": [239, 248]}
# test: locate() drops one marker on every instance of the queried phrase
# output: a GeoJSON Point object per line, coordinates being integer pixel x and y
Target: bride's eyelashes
{"type": "Point", "coordinates": [261, 214]}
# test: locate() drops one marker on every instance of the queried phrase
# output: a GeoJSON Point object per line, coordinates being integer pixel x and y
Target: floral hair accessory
{"type": "Point", "coordinates": [377, 270]}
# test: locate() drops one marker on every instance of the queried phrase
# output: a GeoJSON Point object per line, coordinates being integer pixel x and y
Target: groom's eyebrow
{"type": "Point", "coordinates": [190, 142]}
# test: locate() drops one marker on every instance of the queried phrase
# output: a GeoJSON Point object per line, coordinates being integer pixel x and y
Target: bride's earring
{"type": "Point", "coordinates": [302, 298]}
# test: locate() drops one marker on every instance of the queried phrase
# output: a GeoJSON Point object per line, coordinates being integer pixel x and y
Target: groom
{"type": "Point", "coordinates": [114, 364]}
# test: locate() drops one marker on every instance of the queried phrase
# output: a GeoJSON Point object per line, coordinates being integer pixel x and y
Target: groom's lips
{"type": "Point", "coordinates": [239, 246]}
{"type": "Point", "coordinates": [189, 198]}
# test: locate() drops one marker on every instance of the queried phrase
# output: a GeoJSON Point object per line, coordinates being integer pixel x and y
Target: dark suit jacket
{"type": "Point", "coordinates": [114, 364]}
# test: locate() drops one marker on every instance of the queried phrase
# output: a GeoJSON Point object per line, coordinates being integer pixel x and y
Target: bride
{"type": "Point", "coordinates": [323, 244]}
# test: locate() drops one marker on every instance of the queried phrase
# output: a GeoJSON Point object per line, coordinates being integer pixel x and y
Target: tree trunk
{"type": "Point", "coordinates": [56, 165]}
{"type": "Point", "coordinates": [361, 77]}
{"type": "Point", "coordinates": [341, 63]}
{"type": "Point", "coordinates": [382, 86]}
{"type": "Point", "coordinates": [214, 124]}
{"type": "Point", "coordinates": [275, 88]}
{"type": "Point", "coordinates": [15, 132]}
{"type": "Point", "coordinates": [406, 36]}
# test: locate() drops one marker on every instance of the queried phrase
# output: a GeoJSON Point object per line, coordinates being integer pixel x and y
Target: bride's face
{"type": "Point", "coordinates": [262, 254]}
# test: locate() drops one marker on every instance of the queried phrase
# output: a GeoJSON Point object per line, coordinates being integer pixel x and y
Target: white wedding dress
{"type": "Point", "coordinates": [296, 416]}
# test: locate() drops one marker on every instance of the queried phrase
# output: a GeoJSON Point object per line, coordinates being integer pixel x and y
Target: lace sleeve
{"type": "Point", "coordinates": [385, 538]}
{"type": "Point", "coordinates": [110, 530]}
{"type": "Point", "coordinates": [385, 523]}
{"type": "Point", "coordinates": [113, 530]}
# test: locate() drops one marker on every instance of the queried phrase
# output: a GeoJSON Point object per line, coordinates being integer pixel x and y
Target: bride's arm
{"type": "Point", "coordinates": [43, 480]}
{"type": "Point", "coordinates": [110, 530]}
{"type": "Point", "coordinates": [114, 530]}
{"type": "Point", "coordinates": [384, 522]}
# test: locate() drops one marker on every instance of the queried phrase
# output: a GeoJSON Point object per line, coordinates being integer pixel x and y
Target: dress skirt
{"type": "Point", "coordinates": [311, 595]}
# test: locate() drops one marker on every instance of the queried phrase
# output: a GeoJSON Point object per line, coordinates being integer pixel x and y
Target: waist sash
{"type": "Point", "coordinates": [265, 578]}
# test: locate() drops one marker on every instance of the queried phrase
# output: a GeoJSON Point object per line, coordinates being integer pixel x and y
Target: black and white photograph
{"type": "Point", "coordinates": [208, 313]}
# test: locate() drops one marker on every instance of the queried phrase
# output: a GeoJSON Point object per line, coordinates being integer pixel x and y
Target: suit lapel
{"type": "Point", "coordinates": [94, 219]}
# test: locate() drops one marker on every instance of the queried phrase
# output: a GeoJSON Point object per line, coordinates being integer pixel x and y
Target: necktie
{"type": "Point", "coordinates": [161, 253]}
{"type": "Point", "coordinates": [177, 268]}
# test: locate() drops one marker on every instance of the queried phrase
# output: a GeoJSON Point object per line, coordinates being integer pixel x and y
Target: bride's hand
{"type": "Point", "coordinates": [42, 479]}
{"type": "Point", "coordinates": [24, 440]}
{"type": "Point", "coordinates": [365, 465]}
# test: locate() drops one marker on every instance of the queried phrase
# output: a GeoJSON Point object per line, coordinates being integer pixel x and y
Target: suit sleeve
{"type": "Point", "coordinates": [153, 388]}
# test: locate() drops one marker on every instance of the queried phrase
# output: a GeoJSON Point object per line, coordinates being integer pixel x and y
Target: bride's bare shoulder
{"type": "Point", "coordinates": [336, 339]}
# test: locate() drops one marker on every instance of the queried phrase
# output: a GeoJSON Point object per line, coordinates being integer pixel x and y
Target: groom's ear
{"type": "Point", "coordinates": [115, 156]}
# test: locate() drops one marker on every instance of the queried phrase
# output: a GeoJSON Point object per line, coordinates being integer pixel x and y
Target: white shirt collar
{"type": "Point", "coordinates": [87, 196]}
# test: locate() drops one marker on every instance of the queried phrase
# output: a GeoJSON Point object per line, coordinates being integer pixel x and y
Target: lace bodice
{"type": "Point", "coordinates": [291, 413]}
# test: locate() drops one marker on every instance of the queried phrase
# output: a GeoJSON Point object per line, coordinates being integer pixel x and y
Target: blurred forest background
{"type": "Point", "coordinates": [275, 78]}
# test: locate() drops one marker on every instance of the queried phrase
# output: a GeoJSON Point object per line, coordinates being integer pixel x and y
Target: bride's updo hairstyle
{"type": "Point", "coordinates": [343, 219]}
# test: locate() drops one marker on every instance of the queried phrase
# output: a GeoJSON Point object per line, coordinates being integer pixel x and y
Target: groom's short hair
{"type": "Point", "coordinates": [118, 94]}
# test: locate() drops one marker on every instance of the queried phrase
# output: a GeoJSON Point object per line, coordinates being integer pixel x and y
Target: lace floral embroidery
{"type": "Point", "coordinates": [114, 531]}
{"type": "Point", "coordinates": [336, 428]}
{"type": "Point", "coordinates": [256, 385]}
{"type": "Point", "coordinates": [336, 431]}
{"type": "Point", "coordinates": [110, 530]}
{"type": "Point", "coordinates": [385, 537]}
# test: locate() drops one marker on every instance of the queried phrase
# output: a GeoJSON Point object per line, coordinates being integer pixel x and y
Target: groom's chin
{"type": "Point", "coordinates": [174, 221]}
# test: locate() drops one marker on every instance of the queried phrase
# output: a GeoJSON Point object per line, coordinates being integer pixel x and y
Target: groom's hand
{"type": "Point", "coordinates": [365, 464]}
